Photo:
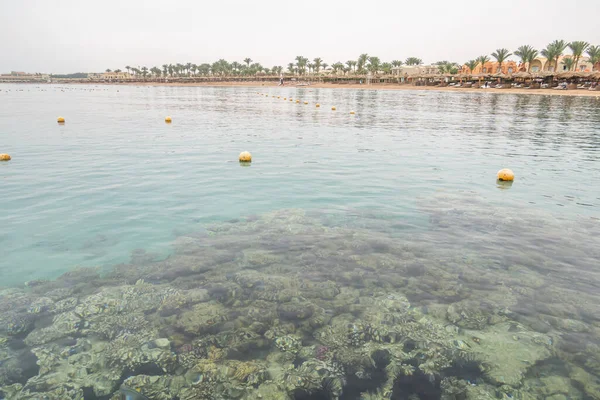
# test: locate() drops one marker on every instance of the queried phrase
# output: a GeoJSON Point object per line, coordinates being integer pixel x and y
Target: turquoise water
{"type": "Point", "coordinates": [116, 178]}
{"type": "Point", "coordinates": [366, 256]}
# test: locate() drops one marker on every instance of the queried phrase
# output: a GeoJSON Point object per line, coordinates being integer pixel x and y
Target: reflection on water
{"type": "Point", "coordinates": [359, 257]}
{"type": "Point", "coordinates": [485, 303]}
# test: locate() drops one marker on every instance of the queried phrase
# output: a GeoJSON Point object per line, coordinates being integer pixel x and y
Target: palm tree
{"type": "Point", "coordinates": [374, 65]}
{"type": "Point", "coordinates": [171, 69]}
{"type": "Point", "coordinates": [318, 63]}
{"type": "Point", "coordinates": [144, 72]}
{"type": "Point", "coordinates": [549, 52]}
{"type": "Point", "coordinates": [471, 64]}
{"type": "Point", "coordinates": [248, 61]}
{"type": "Point", "coordinates": [413, 61]}
{"type": "Point", "coordinates": [188, 67]}
{"type": "Point", "coordinates": [577, 48]}
{"type": "Point", "coordinates": [165, 69]}
{"type": "Point", "coordinates": [325, 65]}
{"type": "Point", "coordinates": [117, 71]}
{"type": "Point", "coordinates": [559, 47]}
{"type": "Point", "coordinates": [204, 69]}
{"type": "Point", "coordinates": [291, 68]}
{"type": "Point", "coordinates": [194, 69]}
{"type": "Point", "coordinates": [500, 55]}
{"type": "Point", "coordinates": [361, 63]}
{"type": "Point", "coordinates": [569, 62]}
{"type": "Point", "coordinates": [482, 60]}
{"type": "Point", "coordinates": [351, 64]}
{"type": "Point", "coordinates": [128, 68]}
{"type": "Point", "coordinates": [594, 53]}
{"type": "Point", "coordinates": [301, 63]}
{"type": "Point", "coordinates": [337, 66]}
{"type": "Point", "coordinates": [447, 67]}
{"type": "Point", "coordinates": [527, 54]}
{"type": "Point", "coordinates": [386, 67]}
{"type": "Point", "coordinates": [108, 70]}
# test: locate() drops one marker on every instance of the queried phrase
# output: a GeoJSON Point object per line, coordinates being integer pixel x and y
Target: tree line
{"type": "Point", "coordinates": [366, 63]}
{"type": "Point", "coordinates": [552, 52]}
{"type": "Point", "coordinates": [248, 67]}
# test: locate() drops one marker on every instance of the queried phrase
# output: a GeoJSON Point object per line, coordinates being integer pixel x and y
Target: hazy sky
{"type": "Point", "coordinates": [60, 36]}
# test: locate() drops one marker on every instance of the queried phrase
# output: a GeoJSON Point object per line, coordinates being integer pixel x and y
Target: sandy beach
{"type": "Point", "coordinates": [550, 92]}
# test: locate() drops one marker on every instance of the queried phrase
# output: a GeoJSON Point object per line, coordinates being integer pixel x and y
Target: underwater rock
{"type": "Point", "coordinates": [288, 343]}
{"type": "Point", "coordinates": [165, 387]}
{"type": "Point", "coordinates": [295, 311]}
{"type": "Point", "coordinates": [162, 343]}
{"type": "Point", "coordinates": [14, 324]}
{"type": "Point", "coordinates": [589, 383]}
{"type": "Point", "coordinates": [473, 315]}
{"type": "Point", "coordinates": [178, 300]}
{"type": "Point", "coordinates": [202, 318]}
{"type": "Point", "coordinates": [65, 324]}
{"type": "Point", "coordinates": [508, 354]}
{"type": "Point", "coordinates": [41, 305]}
{"type": "Point", "coordinates": [269, 391]}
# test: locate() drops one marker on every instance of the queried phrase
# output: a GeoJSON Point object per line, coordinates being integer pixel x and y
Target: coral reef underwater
{"type": "Point", "coordinates": [306, 305]}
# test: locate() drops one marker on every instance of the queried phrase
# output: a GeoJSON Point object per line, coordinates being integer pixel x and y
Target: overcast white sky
{"type": "Point", "coordinates": [59, 36]}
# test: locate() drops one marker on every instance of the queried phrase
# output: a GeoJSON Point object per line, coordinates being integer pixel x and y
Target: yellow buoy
{"type": "Point", "coordinates": [352, 112]}
{"type": "Point", "coordinates": [297, 101]}
{"type": "Point", "coordinates": [278, 97]}
{"type": "Point", "coordinates": [168, 120]}
{"type": "Point", "coordinates": [333, 108]}
{"type": "Point", "coordinates": [245, 156]}
{"type": "Point", "coordinates": [285, 98]}
{"type": "Point", "coordinates": [60, 120]}
{"type": "Point", "coordinates": [506, 175]}
{"type": "Point", "coordinates": [318, 105]}
{"type": "Point", "coordinates": [306, 102]}
{"type": "Point", "coordinates": [4, 157]}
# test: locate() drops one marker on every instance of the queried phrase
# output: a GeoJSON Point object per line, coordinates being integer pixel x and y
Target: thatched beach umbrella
{"type": "Point", "coordinates": [565, 75]}
{"type": "Point", "coordinates": [544, 74]}
{"type": "Point", "coordinates": [522, 75]}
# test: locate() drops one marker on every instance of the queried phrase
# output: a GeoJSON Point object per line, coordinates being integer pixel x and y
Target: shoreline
{"type": "Point", "coordinates": [550, 92]}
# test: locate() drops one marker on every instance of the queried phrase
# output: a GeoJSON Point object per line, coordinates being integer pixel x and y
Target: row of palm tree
{"type": "Point", "coordinates": [552, 52]}
{"type": "Point", "coordinates": [365, 63]}
{"type": "Point", "coordinates": [301, 66]}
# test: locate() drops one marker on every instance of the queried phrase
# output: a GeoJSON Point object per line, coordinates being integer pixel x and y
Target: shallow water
{"type": "Point", "coordinates": [374, 247]}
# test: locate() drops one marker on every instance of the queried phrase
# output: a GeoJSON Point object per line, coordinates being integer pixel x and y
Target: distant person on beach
{"type": "Point", "coordinates": [280, 81]}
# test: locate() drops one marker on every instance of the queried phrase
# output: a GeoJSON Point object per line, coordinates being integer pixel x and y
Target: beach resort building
{"type": "Point", "coordinates": [538, 65]}
{"type": "Point", "coordinates": [110, 76]}
{"type": "Point", "coordinates": [492, 67]}
{"type": "Point", "coordinates": [413, 70]}
{"type": "Point", "coordinates": [16, 76]}
{"type": "Point", "coordinates": [543, 64]}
